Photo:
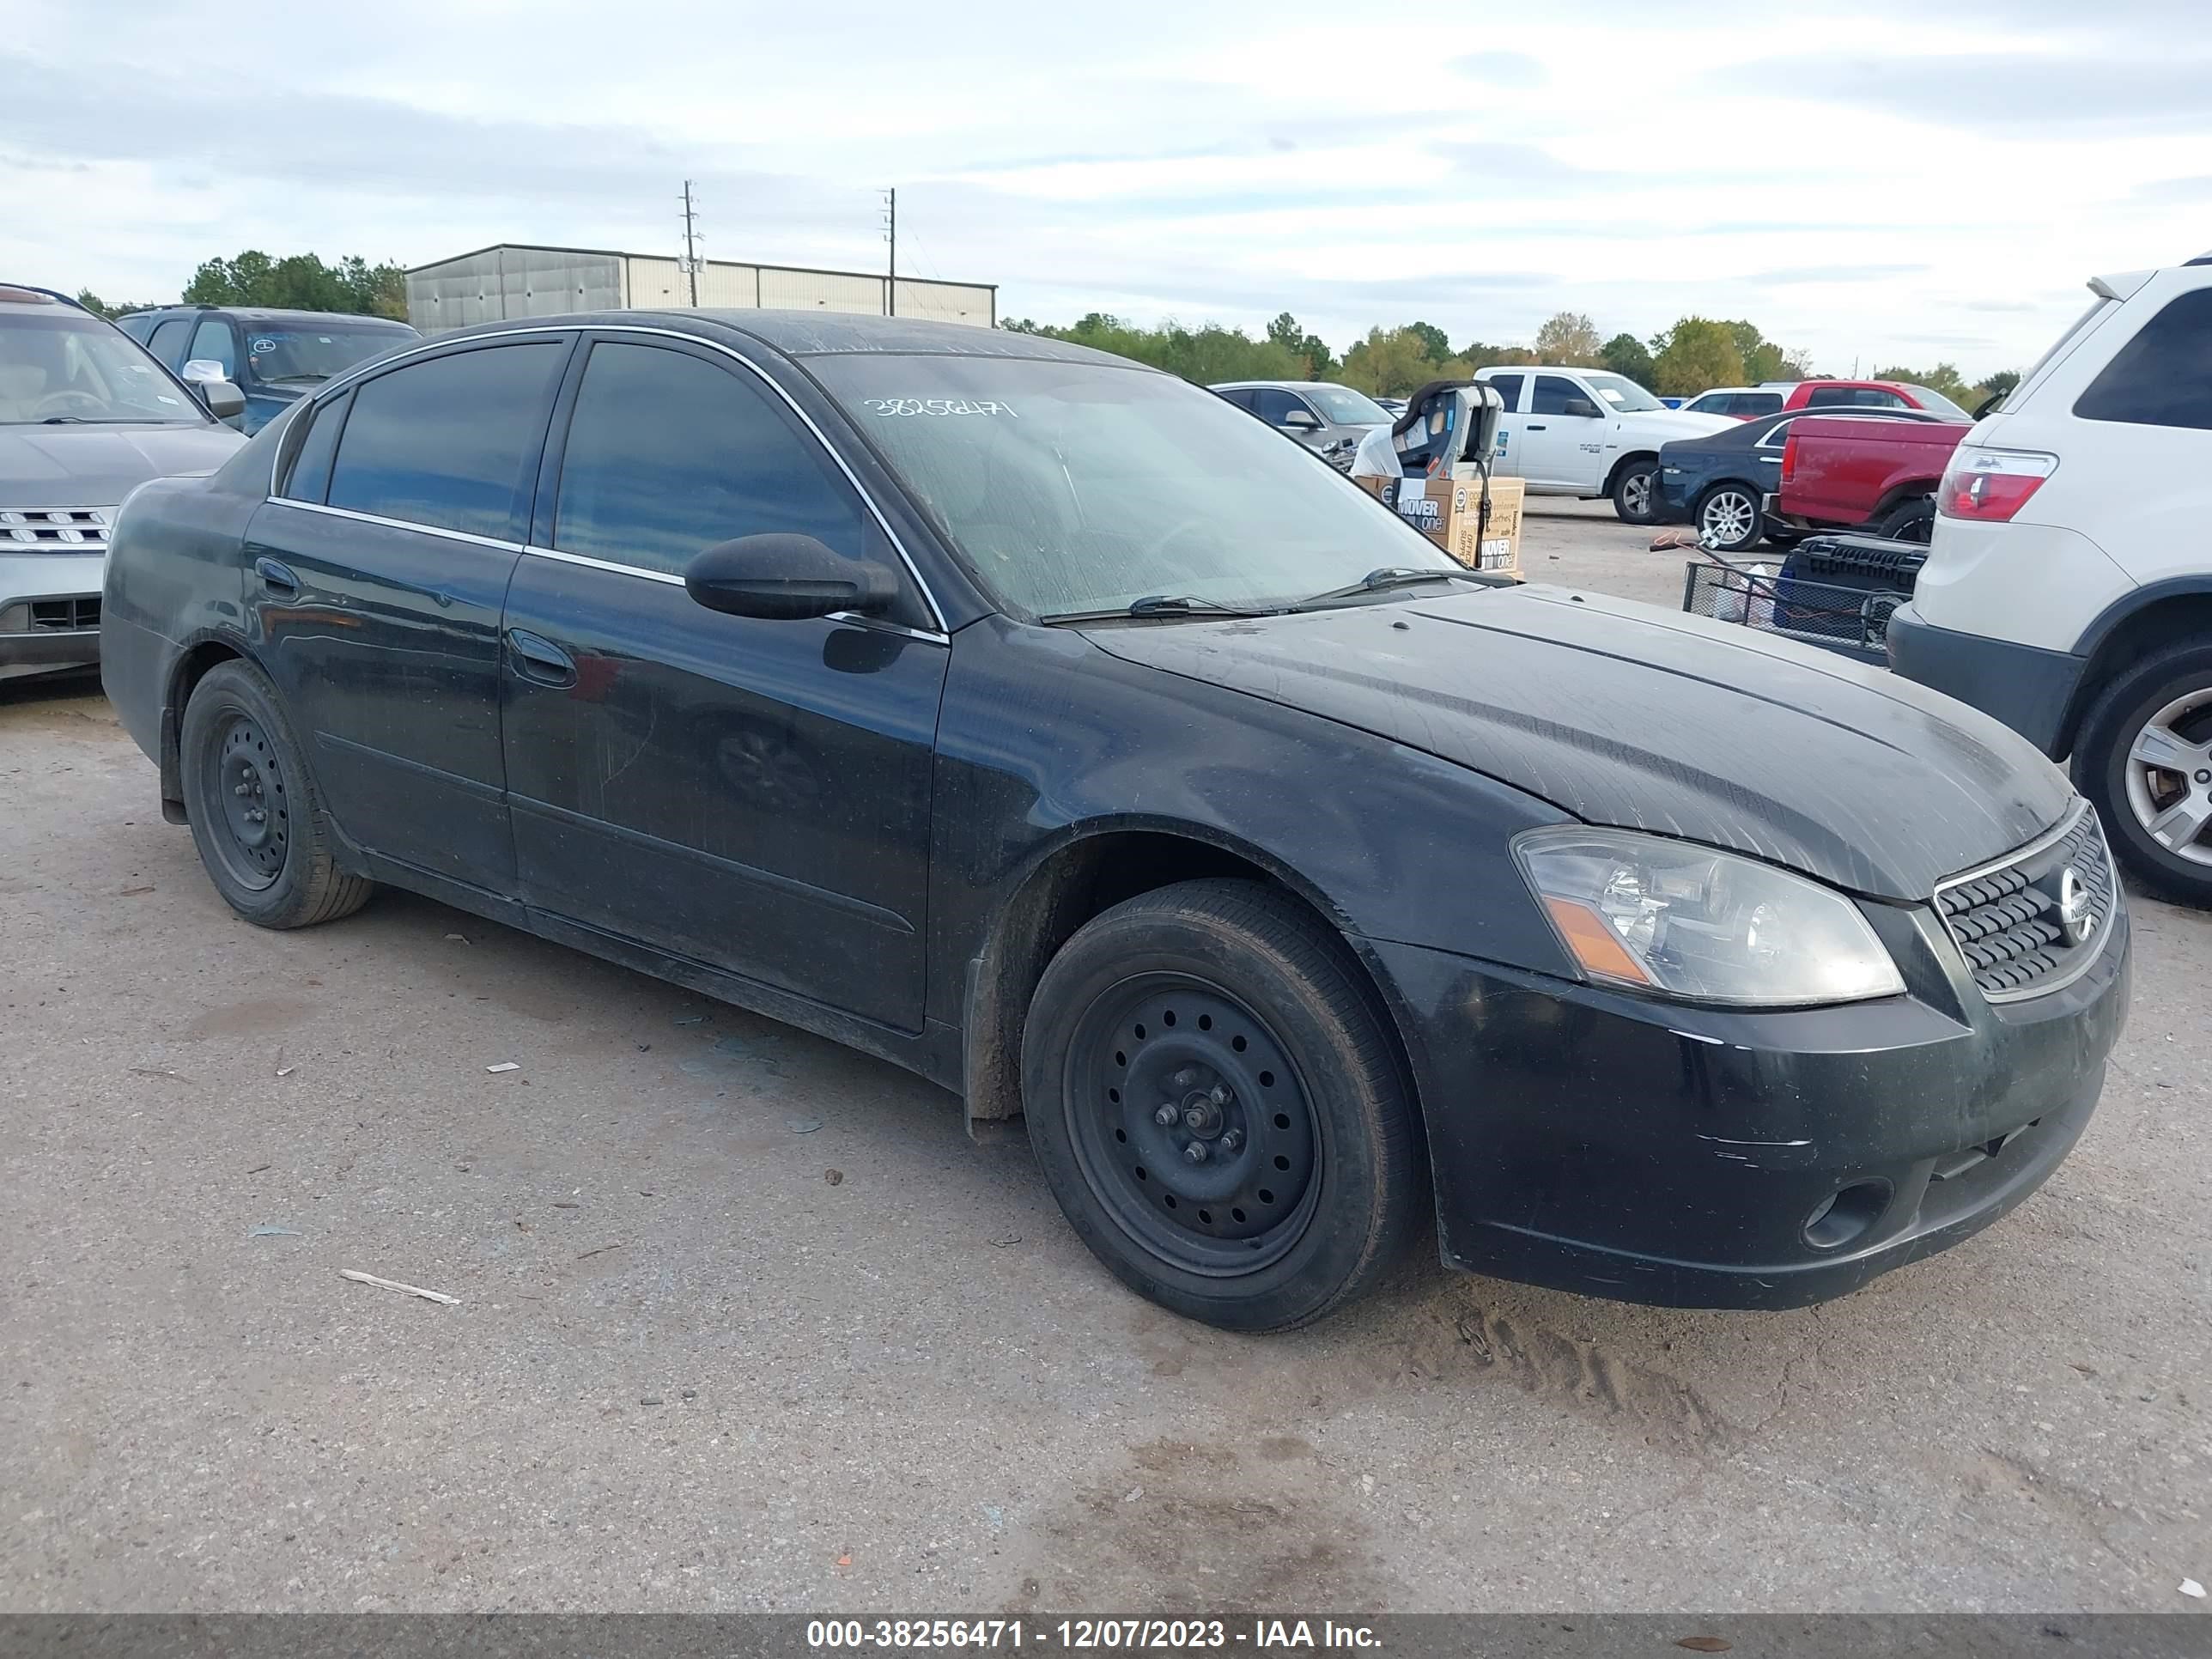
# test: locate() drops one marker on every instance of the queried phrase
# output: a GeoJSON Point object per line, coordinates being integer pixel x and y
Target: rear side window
{"type": "Point", "coordinates": [2163, 377]}
{"type": "Point", "coordinates": [451, 443]}
{"type": "Point", "coordinates": [169, 339]}
{"type": "Point", "coordinates": [1509, 387]}
{"type": "Point", "coordinates": [1755, 403]}
{"type": "Point", "coordinates": [1241, 396]}
{"type": "Point", "coordinates": [669, 454]}
{"type": "Point", "coordinates": [310, 479]}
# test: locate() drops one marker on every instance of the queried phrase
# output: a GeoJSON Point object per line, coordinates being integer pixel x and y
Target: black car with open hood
{"type": "Point", "coordinates": [1042, 724]}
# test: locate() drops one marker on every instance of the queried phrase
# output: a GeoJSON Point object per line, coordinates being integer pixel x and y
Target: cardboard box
{"type": "Point", "coordinates": [1448, 512]}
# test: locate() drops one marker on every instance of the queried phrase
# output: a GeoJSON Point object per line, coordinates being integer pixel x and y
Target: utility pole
{"type": "Point", "coordinates": [691, 244]}
{"type": "Point", "coordinates": [891, 288]}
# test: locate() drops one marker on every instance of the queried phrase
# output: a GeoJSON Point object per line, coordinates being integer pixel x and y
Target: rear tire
{"type": "Point", "coordinates": [256, 815]}
{"type": "Point", "coordinates": [2144, 759]}
{"type": "Point", "coordinates": [1731, 511]}
{"type": "Point", "coordinates": [1910, 521]}
{"type": "Point", "coordinates": [1636, 492]}
{"type": "Point", "coordinates": [1224, 1006]}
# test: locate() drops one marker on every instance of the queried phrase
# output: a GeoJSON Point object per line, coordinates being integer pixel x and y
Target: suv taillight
{"type": "Point", "coordinates": [1991, 485]}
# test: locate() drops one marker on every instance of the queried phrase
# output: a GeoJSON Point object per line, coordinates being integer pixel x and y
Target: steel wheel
{"type": "Point", "coordinates": [245, 777]}
{"type": "Point", "coordinates": [1191, 1125]}
{"type": "Point", "coordinates": [1728, 516]}
{"type": "Point", "coordinates": [2169, 776]}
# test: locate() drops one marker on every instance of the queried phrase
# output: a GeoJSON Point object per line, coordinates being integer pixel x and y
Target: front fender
{"type": "Point", "coordinates": [1045, 740]}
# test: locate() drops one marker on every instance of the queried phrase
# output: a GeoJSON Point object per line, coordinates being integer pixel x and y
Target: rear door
{"type": "Point", "coordinates": [1512, 425]}
{"type": "Point", "coordinates": [752, 795]}
{"type": "Point", "coordinates": [375, 581]}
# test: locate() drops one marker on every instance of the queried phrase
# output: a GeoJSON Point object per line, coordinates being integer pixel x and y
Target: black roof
{"type": "Point", "coordinates": [279, 315]}
{"type": "Point", "coordinates": [826, 334]}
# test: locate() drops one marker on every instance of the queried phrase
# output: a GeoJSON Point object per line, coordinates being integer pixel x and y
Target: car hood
{"type": "Point", "coordinates": [1624, 714]}
{"type": "Point", "coordinates": [1665, 425]}
{"type": "Point", "coordinates": [99, 465]}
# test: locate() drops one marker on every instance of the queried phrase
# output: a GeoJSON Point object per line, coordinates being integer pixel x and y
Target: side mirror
{"type": "Point", "coordinates": [1301, 420]}
{"type": "Point", "coordinates": [207, 378]}
{"type": "Point", "coordinates": [788, 579]}
{"type": "Point", "coordinates": [1584, 408]}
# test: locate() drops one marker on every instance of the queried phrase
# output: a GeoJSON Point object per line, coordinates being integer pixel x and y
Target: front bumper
{"type": "Point", "coordinates": [1625, 1148]}
{"type": "Point", "coordinates": [2024, 686]}
{"type": "Point", "coordinates": [40, 595]}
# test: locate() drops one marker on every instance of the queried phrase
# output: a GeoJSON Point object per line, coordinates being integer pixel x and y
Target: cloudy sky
{"type": "Point", "coordinates": [1868, 179]}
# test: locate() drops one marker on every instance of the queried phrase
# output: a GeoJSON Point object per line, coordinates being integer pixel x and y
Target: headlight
{"type": "Point", "coordinates": [1682, 921]}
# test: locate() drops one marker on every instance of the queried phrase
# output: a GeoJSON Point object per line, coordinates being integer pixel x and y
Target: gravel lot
{"type": "Point", "coordinates": [746, 1321]}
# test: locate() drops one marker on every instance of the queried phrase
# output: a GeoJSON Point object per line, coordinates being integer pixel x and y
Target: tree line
{"type": "Point", "coordinates": [1695, 355]}
{"type": "Point", "coordinates": [299, 281]}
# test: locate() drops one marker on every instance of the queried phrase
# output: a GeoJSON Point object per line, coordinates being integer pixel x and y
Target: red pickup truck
{"type": "Point", "coordinates": [1842, 471]}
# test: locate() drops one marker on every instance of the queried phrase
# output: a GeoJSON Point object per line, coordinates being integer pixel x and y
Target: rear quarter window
{"type": "Point", "coordinates": [2162, 377]}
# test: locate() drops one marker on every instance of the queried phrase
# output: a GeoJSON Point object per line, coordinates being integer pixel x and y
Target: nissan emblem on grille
{"type": "Point", "coordinates": [2032, 924]}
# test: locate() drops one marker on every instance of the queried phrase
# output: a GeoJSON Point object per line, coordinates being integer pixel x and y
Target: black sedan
{"type": "Point", "coordinates": [1719, 482]}
{"type": "Point", "coordinates": [1046, 727]}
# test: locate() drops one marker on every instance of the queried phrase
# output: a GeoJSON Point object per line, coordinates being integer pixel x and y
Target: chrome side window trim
{"type": "Point", "coordinates": [384, 364]}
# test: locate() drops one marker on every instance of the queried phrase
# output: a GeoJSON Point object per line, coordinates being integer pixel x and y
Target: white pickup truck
{"type": "Point", "coordinates": [1589, 433]}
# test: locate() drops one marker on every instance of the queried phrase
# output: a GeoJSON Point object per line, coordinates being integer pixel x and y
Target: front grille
{"type": "Point", "coordinates": [63, 616]}
{"type": "Point", "coordinates": [2010, 921]}
{"type": "Point", "coordinates": [54, 529]}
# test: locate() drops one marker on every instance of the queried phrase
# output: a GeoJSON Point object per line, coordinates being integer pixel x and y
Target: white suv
{"type": "Point", "coordinates": [1589, 433]}
{"type": "Point", "coordinates": [2069, 587]}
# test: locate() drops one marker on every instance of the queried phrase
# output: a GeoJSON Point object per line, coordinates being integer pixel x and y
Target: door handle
{"type": "Point", "coordinates": [540, 659]}
{"type": "Point", "coordinates": [1533, 427]}
{"type": "Point", "coordinates": [276, 578]}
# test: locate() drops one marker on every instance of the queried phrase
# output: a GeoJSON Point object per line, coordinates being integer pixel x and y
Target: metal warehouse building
{"type": "Point", "coordinates": [494, 283]}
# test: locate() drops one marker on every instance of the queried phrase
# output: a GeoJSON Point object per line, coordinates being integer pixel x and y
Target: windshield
{"type": "Point", "coordinates": [1622, 395]}
{"type": "Point", "coordinates": [1936, 403]}
{"type": "Point", "coordinates": [67, 368]}
{"type": "Point", "coordinates": [1345, 407]}
{"type": "Point", "coordinates": [306, 355]}
{"type": "Point", "coordinates": [1078, 487]}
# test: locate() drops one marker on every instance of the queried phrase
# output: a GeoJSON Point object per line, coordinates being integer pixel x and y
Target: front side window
{"type": "Point", "coordinates": [1070, 488]}
{"type": "Point", "coordinates": [450, 443]}
{"type": "Point", "coordinates": [669, 454]}
{"type": "Point", "coordinates": [212, 343]}
{"type": "Point", "coordinates": [64, 369]}
{"type": "Point", "coordinates": [1277, 406]}
{"type": "Point", "coordinates": [2163, 377]}
{"type": "Point", "coordinates": [1554, 392]}
{"type": "Point", "coordinates": [1935, 403]}
{"type": "Point", "coordinates": [1343, 406]}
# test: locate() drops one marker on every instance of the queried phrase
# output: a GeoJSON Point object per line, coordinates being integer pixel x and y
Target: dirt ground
{"type": "Point", "coordinates": [745, 1323]}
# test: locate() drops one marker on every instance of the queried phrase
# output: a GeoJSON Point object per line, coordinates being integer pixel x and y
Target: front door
{"type": "Point", "coordinates": [375, 578]}
{"type": "Point", "coordinates": [752, 795]}
{"type": "Point", "coordinates": [1565, 437]}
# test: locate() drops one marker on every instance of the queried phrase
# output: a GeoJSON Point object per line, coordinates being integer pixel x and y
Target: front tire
{"type": "Point", "coordinates": [1730, 513]}
{"type": "Point", "coordinates": [256, 816]}
{"type": "Point", "coordinates": [2144, 759]}
{"type": "Point", "coordinates": [1910, 521]}
{"type": "Point", "coordinates": [1636, 492]}
{"type": "Point", "coordinates": [1224, 1009]}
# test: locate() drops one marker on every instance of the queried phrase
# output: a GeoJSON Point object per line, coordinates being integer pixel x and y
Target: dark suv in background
{"type": "Point", "coordinates": [275, 358]}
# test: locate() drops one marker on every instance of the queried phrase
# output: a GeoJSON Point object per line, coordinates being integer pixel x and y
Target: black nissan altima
{"type": "Point", "coordinates": [1049, 727]}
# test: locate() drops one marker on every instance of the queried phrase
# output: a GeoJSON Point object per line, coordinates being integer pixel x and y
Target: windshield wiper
{"type": "Point", "coordinates": [1376, 581]}
{"type": "Point", "coordinates": [1162, 604]}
